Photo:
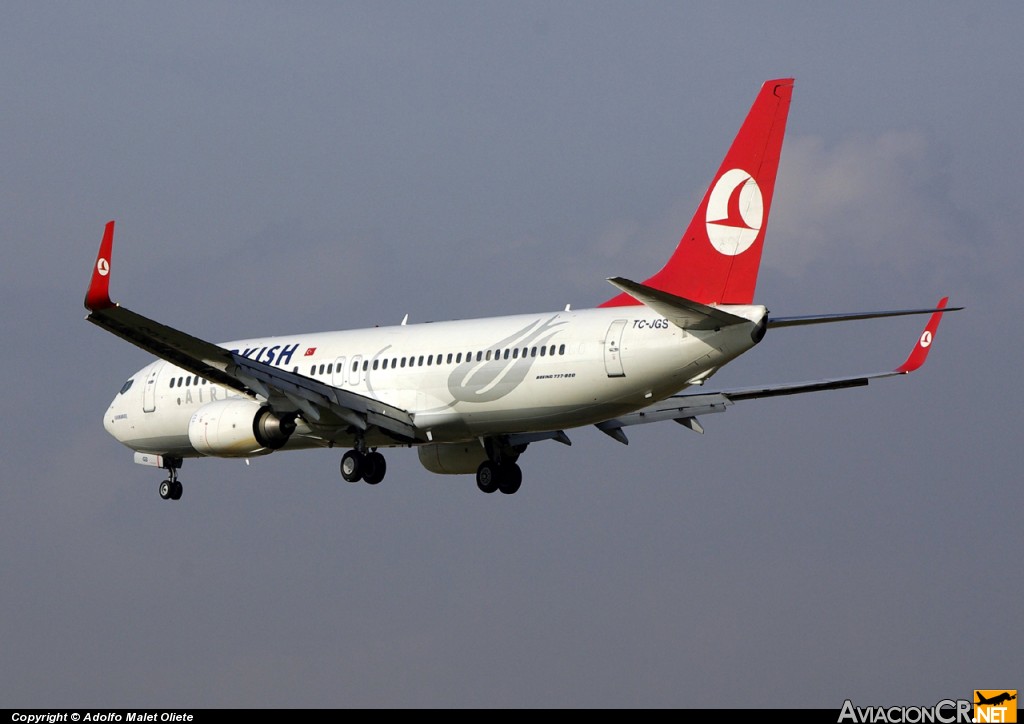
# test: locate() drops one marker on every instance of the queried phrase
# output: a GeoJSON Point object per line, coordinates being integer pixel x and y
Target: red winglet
{"type": "Point", "coordinates": [924, 342]}
{"type": "Point", "coordinates": [98, 296]}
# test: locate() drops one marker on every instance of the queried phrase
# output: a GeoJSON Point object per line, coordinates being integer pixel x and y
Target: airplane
{"type": "Point", "coordinates": [995, 700]}
{"type": "Point", "coordinates": [472, 395]}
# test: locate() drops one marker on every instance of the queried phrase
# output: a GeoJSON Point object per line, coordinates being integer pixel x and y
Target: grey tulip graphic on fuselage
{"type": "Point", "coordinates": [510, 361]}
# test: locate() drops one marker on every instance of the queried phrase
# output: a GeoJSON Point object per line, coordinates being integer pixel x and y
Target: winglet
{"type": "Point", "coordinates": [98, 296]}
{"type": "Point", "coordinates": [924, 342]}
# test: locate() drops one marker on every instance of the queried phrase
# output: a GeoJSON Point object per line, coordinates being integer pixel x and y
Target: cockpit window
{"type": "Point", "coordinates": [126, 386]}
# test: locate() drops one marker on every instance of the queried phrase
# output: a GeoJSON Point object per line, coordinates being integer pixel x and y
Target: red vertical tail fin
{"type": "Point", "coordinates": [718, 257]}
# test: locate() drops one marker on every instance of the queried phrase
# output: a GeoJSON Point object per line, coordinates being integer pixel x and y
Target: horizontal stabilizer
{"type": "Point", "coordinates": [684, 313]}
{"type": "Point", "coordinates": [684, 408]}
{"type": "Point", "coordinates": [775, 322]}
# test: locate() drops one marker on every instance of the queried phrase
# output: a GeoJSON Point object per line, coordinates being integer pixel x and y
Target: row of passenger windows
{"type": "Point", "coordinates": [451, 358]}
{"type": "Point", "coordinates": [188, 381]}
{"type": "Point", "coordinates": [401, 362]}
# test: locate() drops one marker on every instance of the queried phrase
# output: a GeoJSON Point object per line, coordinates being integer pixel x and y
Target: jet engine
{"type": "Point", "coordinates": [452, 458]}
{"type": "Point", "coordinates": [238, 428]}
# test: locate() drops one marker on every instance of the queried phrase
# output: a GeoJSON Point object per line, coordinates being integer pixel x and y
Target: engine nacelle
{"type": "Point", "coordinates": [238, 428]}
{"type": "Point", "coordinates": [453, 458]}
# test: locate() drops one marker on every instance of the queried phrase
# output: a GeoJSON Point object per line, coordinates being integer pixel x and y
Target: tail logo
{"type": "Point", "coordinates": [926, 339]}
{"type": "Point", "coordinates": [102, 266]}
{"type": "Point", "coordinates": [735, 212]}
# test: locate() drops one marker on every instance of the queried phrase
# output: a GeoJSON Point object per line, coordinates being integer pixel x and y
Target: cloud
{"type": "Point", "coordinates": [868, 200]}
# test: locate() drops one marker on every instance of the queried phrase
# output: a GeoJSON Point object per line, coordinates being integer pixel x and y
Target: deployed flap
{"type": "Point", "coordinates": [351, 407]}
{"type": "Point", "coordinates": [684, 313]}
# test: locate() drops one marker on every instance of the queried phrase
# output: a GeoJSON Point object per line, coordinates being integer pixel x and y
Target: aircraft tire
{"type": "Point", "coordinates": [176, 490]}
{"type": "Point", "coordinates": [375, 468]}
{"type": "Point", "coordinates": [166, 489]}
{"type": "Point", "coordinates": [511, 478]}
{"type": "Point", "coordinates": [487, 476]}
{"type": "Point", "coordinates": [352, 465]}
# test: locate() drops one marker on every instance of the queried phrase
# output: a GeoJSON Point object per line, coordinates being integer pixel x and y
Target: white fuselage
{"type": "Point", "coordinates": [460, 380]}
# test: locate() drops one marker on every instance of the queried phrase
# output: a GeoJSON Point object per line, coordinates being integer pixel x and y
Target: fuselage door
{"type": "Point", "coordinates": [338, 376]}
{"type": "Point", "coordinates": [149, 391]}
{"type": "Point", "coordinates": [355, 370]}
{"type": "Point", "coordinates": [613, 349]}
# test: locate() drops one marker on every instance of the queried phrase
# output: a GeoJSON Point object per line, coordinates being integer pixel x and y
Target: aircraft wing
{"type": "Point", "coordinates": [684, 408]}
{"type": "Point", "coordinates": [284, 391]}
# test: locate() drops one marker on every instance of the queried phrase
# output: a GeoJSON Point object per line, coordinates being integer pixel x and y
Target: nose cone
{"type": "Point", "coordinates": [111, 418]}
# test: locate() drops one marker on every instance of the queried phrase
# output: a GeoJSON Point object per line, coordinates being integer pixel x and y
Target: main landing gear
{"type": "Point", "coordinates": [504, 476]}
{"type": "Point", "coordinates": [170, 489]}
{"type": "Point", "coordinates": [370, 467]}
{"type": "Point", "coordinates": [500, 471]}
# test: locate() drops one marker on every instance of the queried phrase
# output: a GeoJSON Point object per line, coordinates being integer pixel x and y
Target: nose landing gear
{"type": "Point", "coordinates": [171, 489]}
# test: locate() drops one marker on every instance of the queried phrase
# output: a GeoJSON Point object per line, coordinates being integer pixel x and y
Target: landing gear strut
{"type": "Point", "coordinates": [170, 489]}
{"type": "Point", "coordinates": [370, 467]}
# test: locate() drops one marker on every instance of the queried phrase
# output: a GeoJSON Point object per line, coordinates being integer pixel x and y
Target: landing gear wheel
{"type": "Point", "coordinates": [176, 490]}
{"type": "Point", "coordinates": [166, 490]}
{"type": "Point", "coordinates": [511, 479]}
{"type": "Point", "coordinates": [352, 464]}
{"type": "Point", "coordinates": [375, 468]}
{"type": "Point", "coordinates": [487, 476]}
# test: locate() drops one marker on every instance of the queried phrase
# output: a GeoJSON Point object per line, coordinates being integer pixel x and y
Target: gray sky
{"type": "Point", "coordinates": [279, 167]}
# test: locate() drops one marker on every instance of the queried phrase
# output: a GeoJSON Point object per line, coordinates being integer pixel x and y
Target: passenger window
{"type": "Point", "coordinates": [515, 353]}
{"type": "Point", "coordinates": [552, 351]}
{"type": "Point", "coordinates": [420, 363]}
{"type": "Point", "coordinates": [533, 351]}
{"type": "Point", "coordinates": [312, 370]}
{"type": "Point", "coordinates": [488, 356]}
{"type": "Point", "coordinates": [188, 381]}
{"type": "Point", "coordinates": [355, 365]}
{"type": "Point", "coordinates": [479, 356]}
{"type": "Point", "coordinates": [375, 363]}
{"type": "Point", "coordinates": [172, 384]}
{"type": "Point", "coordinates": [561, 349]}
{"type": "Point", "coordinates": [330, 367]}
{"type": "Point", "coordinates": [458, 358]}
{"type": "Point", "coordinates": [403, 362]}
{"type": "Point", "coordinates": [542, 351]}
{"type": "Point", "coordinates": [366, 364]}
{"type": "Point", "coordinates": [449, 358]}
